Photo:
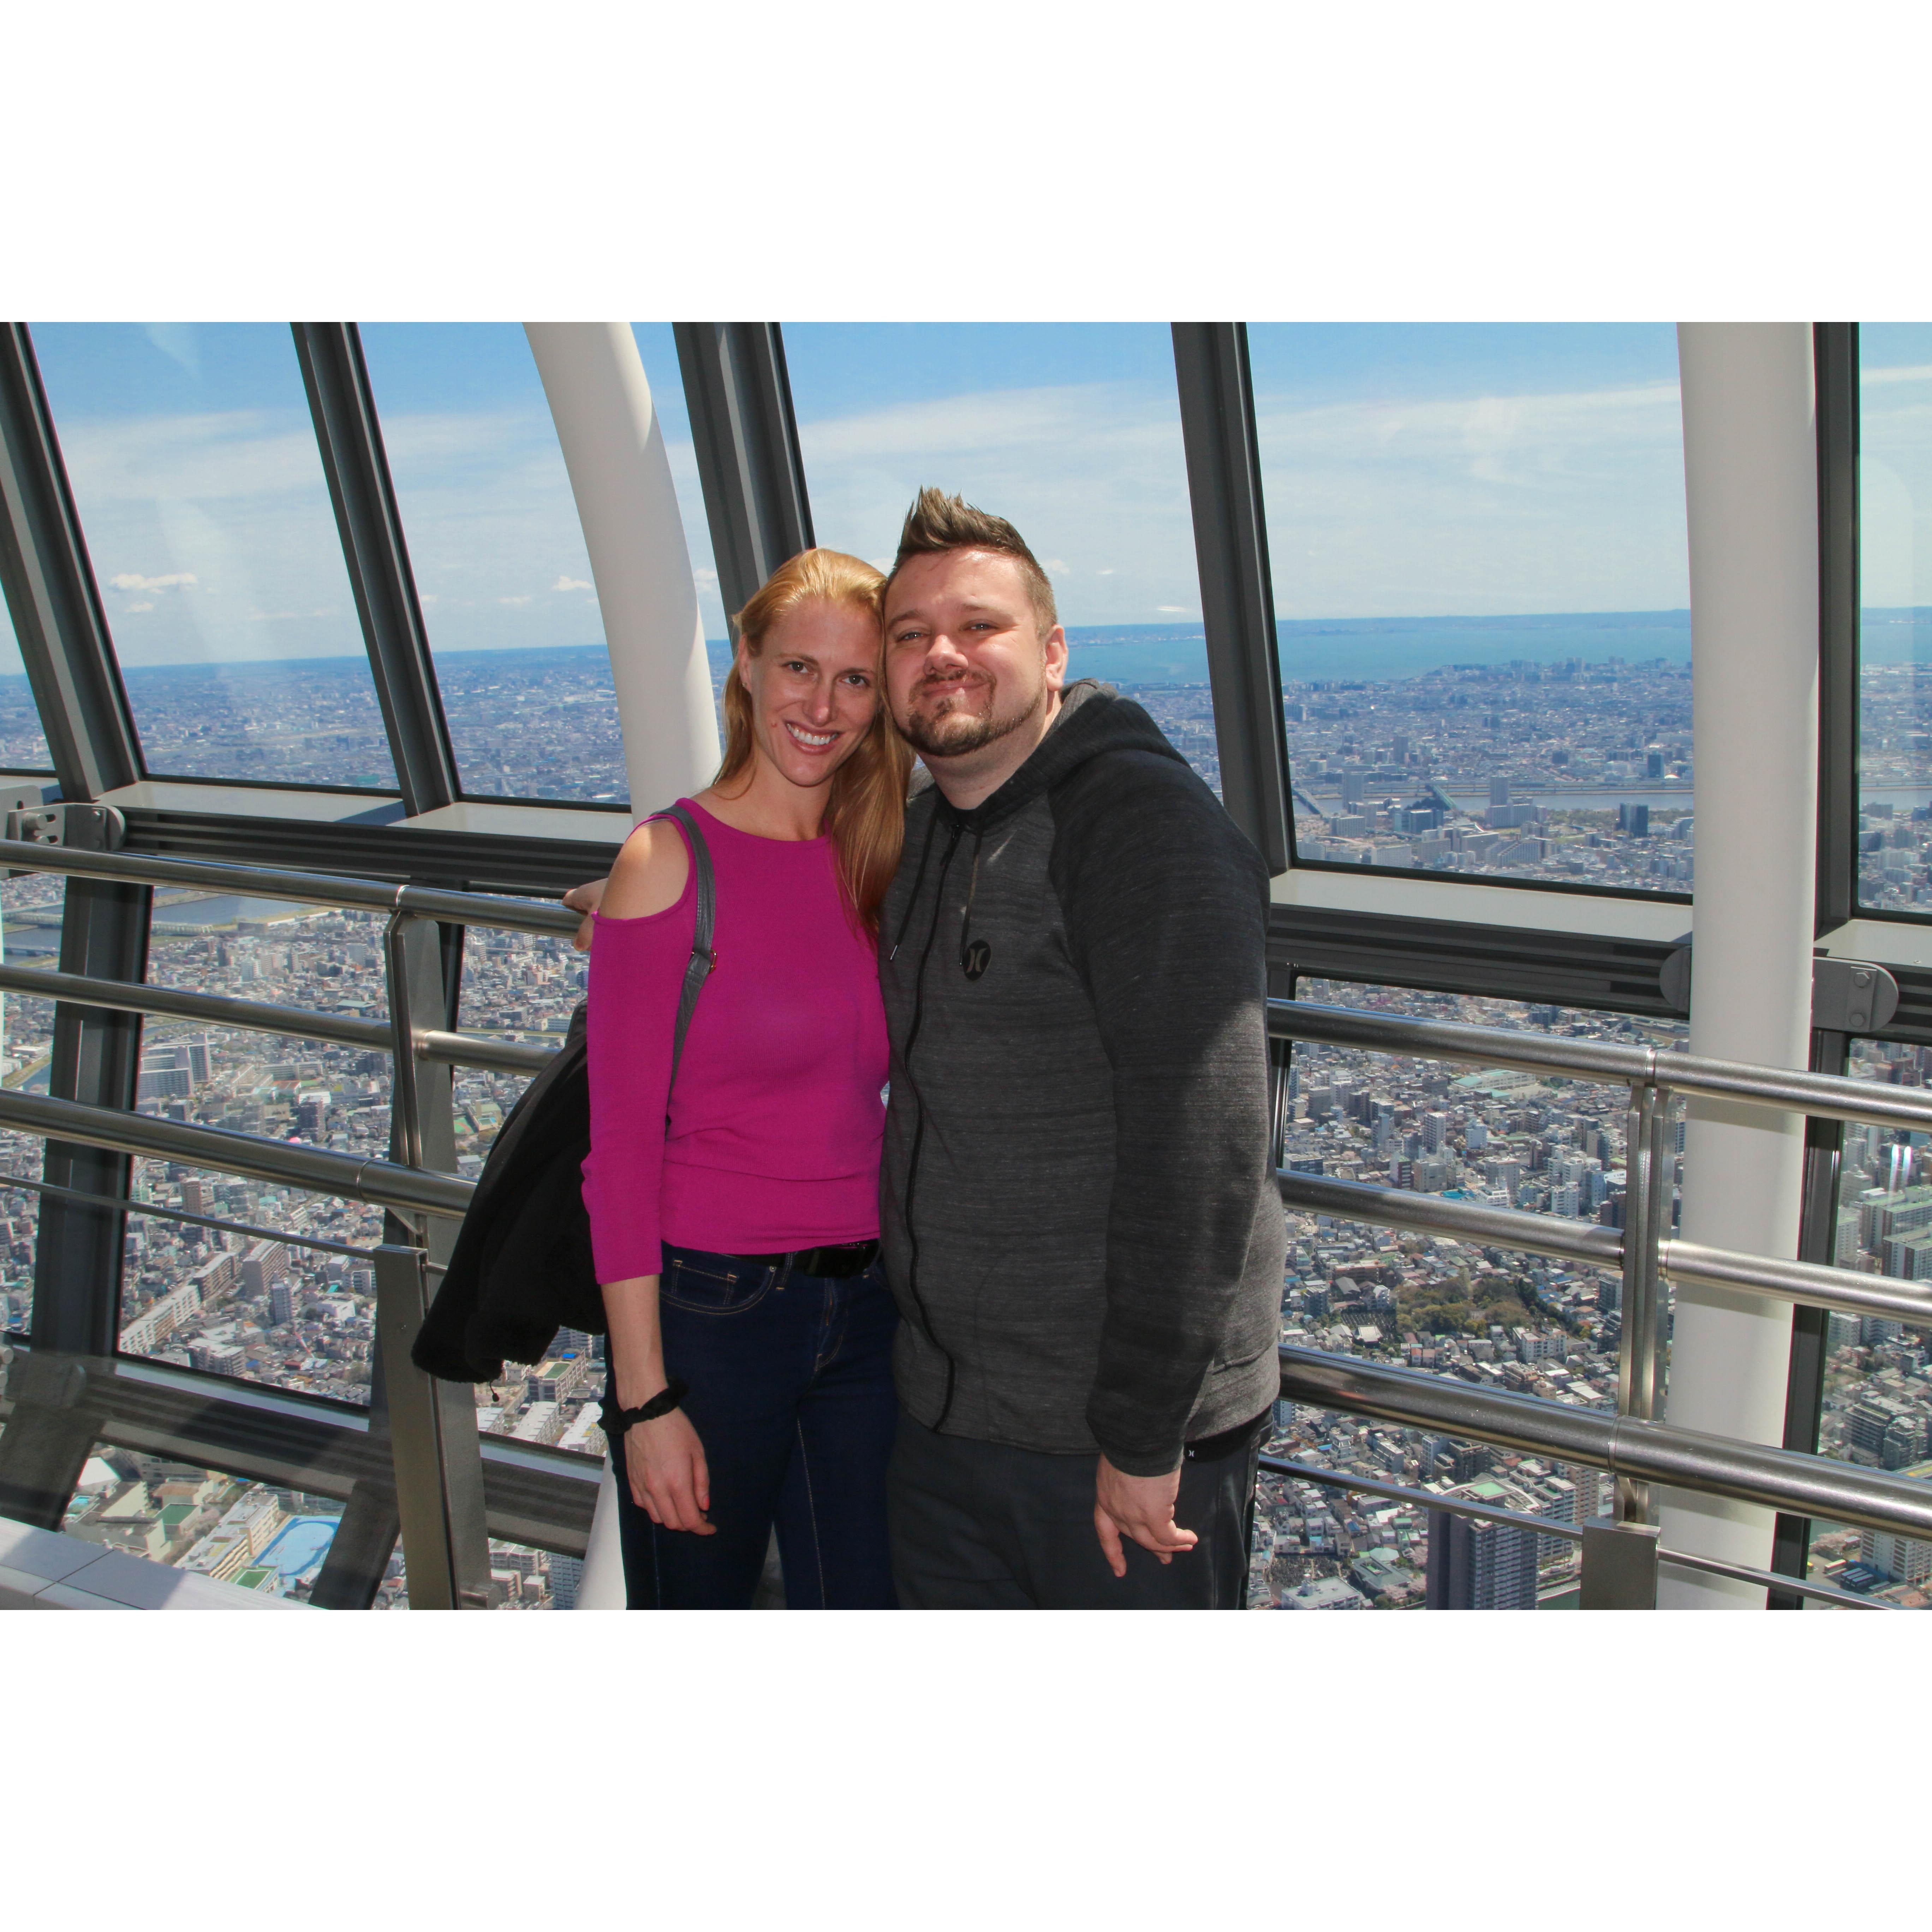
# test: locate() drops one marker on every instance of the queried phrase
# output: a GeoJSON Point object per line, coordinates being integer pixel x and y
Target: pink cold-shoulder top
{"type": "Point", "coordinates": [772, 1139]}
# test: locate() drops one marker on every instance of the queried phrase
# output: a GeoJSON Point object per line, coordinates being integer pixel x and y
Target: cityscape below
{"type": "Point", "coordinates": [1571, 768]}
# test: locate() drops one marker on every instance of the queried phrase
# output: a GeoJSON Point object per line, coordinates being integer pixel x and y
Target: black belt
{"type": "Point", "coordinates": [835, 1263]}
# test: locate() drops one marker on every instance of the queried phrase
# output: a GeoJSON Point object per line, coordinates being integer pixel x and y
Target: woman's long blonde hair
{"type": "Point", "coordinates": [865, 815]}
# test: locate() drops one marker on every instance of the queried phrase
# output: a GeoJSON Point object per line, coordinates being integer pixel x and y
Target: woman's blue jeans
{"type": "Point", "coordinates": [791, 1394]}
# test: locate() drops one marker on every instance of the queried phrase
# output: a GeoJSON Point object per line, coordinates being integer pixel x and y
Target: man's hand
{"type": "Point", "coordinates": [585, 899]}
{"type": "Point", "coordinates": [1141, 1506]}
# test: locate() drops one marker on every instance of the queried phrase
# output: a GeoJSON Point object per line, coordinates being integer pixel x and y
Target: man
{"type": "Point", "coordinates": [1078, 1216]}
{"type": "Point", "coordinates": [1079, 1220]}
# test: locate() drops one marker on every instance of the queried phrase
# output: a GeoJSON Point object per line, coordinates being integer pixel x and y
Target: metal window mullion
{"type": "Point", "coordinates": [1835, 359]}
{"type": "Point", "coordinates": [745, 433]}
{"type": "Point", "coordinates": [50, 590]}
{"type": "Point", "coordinates": [78, 1247]}
{"type": "Point", "coordinates": [1224, 483]}
{"type": "Point", "coordinates": [371, 526]}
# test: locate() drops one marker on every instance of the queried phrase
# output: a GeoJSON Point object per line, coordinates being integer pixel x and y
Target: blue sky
{"type": "Point", "coordinates": [1409, 470]}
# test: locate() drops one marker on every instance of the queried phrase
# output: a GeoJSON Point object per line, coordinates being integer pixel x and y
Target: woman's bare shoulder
{"type": "Point", "coordinates": [650, 872]}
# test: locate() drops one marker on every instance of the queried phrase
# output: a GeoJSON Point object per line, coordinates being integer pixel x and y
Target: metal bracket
{"type": "Point", "coordinates": [1847, 995]}
{"type": "Point", "coordinates": [1619, 1566]}
{"type": "Point", "coordinates": [80, 827]}
{"type": "Point", "coordinates": [1851, 996]}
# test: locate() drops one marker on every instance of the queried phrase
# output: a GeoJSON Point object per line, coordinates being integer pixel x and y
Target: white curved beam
{"type": "Point", "coordinates": [619, 474]}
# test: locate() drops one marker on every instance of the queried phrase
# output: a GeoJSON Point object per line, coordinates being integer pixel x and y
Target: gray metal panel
{"type": "Point", "coordinates": [431, 1427]}
{"type": "Point", "coordinates": [371, 528]}
{"type": "Point", "coordinates": [1224, 483]}
{"type": "Point", "coordinates": [1835, 360]}
{"type": "Point", "coordinates": [51, 594]}
{"type": "Point", "coordinates": [739, 399]}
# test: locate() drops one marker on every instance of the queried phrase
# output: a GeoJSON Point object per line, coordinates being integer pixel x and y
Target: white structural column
{"type": "Point", "coordinates": [620, 475]}
{"type": "Point", "coordinates": [1750, 479]}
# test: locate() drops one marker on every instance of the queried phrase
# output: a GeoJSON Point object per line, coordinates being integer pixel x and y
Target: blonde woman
{"type": "Point", "coordinates": [734, 1213]}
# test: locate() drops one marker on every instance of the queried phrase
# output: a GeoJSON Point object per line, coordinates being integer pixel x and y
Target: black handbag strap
{"type": "Point", "coordinates": [702, 959]}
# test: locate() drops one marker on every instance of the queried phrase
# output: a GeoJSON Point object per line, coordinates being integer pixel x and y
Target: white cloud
{"type": "Point", "coordinates": [1868, 376]}
{"type": "Point", "coordinates": [1171, 609]}
{"type": "Point", "coordinates": [129, 610]}
{"type": "Point", "coordinates": [1056, 564]}
{"type": "Point", "coordinates": [513, 600]}
{"type": "Point", "coordinates": [569, 583]}
{"type": "Point", "coordinates": [128, 580]}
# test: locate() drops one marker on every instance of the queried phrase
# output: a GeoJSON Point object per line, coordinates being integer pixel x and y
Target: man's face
{"type": "Point", "coordinates": [966, 662]}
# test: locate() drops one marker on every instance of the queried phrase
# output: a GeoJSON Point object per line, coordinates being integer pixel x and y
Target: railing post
{"type": "Point", "coordinates": [433, 1442]}
{"type": "Point", "coordinates": [1620, 1550]}
{"type": "Point", "coordinates": [1638, 1356]}
{"type": "Point", "coordinates": [438, 1459]}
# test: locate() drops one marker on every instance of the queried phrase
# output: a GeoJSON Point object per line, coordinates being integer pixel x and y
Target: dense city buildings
{"type": "Point", "coordinates": [1576, 770]}
{"type": "Point", "coordinates": [1498, 1319]}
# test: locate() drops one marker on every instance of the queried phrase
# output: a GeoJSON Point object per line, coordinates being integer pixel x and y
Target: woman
{"type": "Point", "coordinates": [735, 1241]}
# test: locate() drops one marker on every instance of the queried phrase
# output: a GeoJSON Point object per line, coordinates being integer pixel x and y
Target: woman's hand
{"type": "Point", "coordinates": [586, 899]}
{"type": "Point", "coordinates": [664, 1461]}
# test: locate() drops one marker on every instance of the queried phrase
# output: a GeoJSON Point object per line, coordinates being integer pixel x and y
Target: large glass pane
{"type": "Point", "coordinates": [1498, 1318]}
{"type": "Point", "coordinates": [1071, 430]}
{"type": "Point", "coordinates": [30, 907]}
{"type": "Point", "coordinates": [521, 988]}
{"type": "Point", "coordinates": [23, 745]}
{"type": "Point", "coordinates": [1477, 545]}
{"type": "Point", "coordinates": [194, 462]}
{"type": "Point", "coordinates": [275, 1299]}
{"type": "Point", "coordinates": [1895, 627]}
{"type": "Point", "coordinates": [1878, 1373]}
{"type": "Point", "coordinates": [275, 1540]}
{"type": "Point", "coordinates": [498, 552]}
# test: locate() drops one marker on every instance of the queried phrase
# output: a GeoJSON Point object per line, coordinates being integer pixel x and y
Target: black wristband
{"type": "Point", "coordinates": [617, 1420]}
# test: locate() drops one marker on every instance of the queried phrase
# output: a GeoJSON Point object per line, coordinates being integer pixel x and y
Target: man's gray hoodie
{"type": "Point", "coordinates": [1079, 1219]}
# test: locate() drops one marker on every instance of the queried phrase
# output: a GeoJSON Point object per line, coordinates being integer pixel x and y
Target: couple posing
{"type": "Point", "coordinates": [1003, 1338]}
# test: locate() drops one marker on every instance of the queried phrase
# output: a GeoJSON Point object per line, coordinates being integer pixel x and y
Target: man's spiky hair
{"type": "Point", "coordinates": [938, 522]}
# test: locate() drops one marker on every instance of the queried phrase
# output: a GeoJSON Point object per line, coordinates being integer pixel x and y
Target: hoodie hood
{"type": "Point", "coordinates": [1093, 718]}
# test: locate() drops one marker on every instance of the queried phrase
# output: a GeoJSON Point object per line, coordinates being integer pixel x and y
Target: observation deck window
{"type": "Point", "coordinates": [1877, 1404]}
{"type": "Point", "coordinates": [1478, 553]}
{"type": "Point", "coordinates": [1072, 432]}
{"type": "Point", "coordinates": [253, 1535]}
{"type": "Point", "coordinates": [31, 907]}
{"type": "Point", "coordinates": [256, 1301]}
{"type": "Point", "coordinates": [1514, 1321]}
{"type": "Point", "coordinates": [1894, 831]}
{"type": "Point", "coordinates": [193, 459]}
{"type": "Point", "coordinates": [23, 745]}
{"type": "Point", "coordinates": [497, 550]}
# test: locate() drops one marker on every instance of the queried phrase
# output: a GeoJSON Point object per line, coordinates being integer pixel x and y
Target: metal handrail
{"type": "Point", "coordinates": [1773, 1478]}
{"type": "Point", "coordinates": [1829, 1096]}
{"type": "Point", "coordinates": [321, 889]}
{"type": "Point", "coordinates": [1687, 1262]}
{"type": "Point", "coordinates": [383, 1183]}
{"type": "Point", "coordinates": [1646, 1452]}
{"type": "Point", "coordinates": [1639, 1452]}
{"type": "Point", "coordinates": [127, 996]}
{"type": "Point", "coordinates": [1427, 1499]}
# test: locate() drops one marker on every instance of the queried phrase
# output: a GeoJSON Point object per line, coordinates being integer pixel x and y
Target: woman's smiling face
{"type": "Point", "coordinates": [814, 686]}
